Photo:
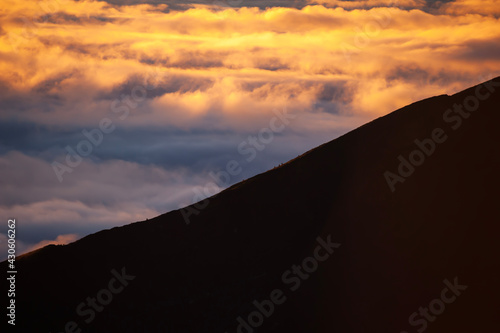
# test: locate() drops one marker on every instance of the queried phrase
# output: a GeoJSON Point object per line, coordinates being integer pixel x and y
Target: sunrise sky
{"type": "Point", "coordinates": [181, 85]}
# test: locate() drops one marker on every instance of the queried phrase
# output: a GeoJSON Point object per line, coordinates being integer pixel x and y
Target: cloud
{"type": "Point", "coordinates": [206, 57]}
{"type": "Point", "coordinates": [94, 196]}
{"type": "Point", "coordinates": [480, 49]}
{"type": "Point", "coordinates": [364, 4]}
{"type": "Point", "coordinates": [64, 18]}
{"type": "Point", "coordinates": [115, 189]}
{"type": "Point", "coordinates": [467, 7]}
{"type": "Point", "coordinates": [165, 85]}
{"type": "Point", "coordinates": [187, 4]}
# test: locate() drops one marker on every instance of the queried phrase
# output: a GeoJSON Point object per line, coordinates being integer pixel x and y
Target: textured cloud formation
{"type": "Point", "coordinates": [113, 192]}
{"type": "Point", "coordinates": [178, 85]}
{"type": "Point", "coordinates": [211, 62]}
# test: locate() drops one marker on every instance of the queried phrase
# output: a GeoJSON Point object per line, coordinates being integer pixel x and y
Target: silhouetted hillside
{"type": "Point", "coordinates": [396, 247]}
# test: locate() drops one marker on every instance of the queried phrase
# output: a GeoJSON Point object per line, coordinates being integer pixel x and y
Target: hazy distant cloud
{"type": "Point", "coordinates": [93, 197]}
{"type": "Point", "coordinates": [90, 184]}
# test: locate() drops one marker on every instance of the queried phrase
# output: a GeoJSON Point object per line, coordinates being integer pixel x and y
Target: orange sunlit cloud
{"type": "Point", "coordinates": [240, 61]}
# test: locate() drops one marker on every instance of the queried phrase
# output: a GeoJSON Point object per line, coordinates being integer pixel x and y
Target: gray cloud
{"type": "Point", "coordinates": [431, 5]}
{"type": "Point", "coordinates": [185, 4]}
{"type": "Point", "coordinates": [47, 86]}
{"type": "Point", "coordinates": [420, 76]}
{"type": "Point", "coordinates": [270, 64]}
{"type": "Point", "coordinates": [477, 49]}
{"type": "Point", "coordinates": [65, 18]}
{"type": "Point", "coordinates": [164, 85]}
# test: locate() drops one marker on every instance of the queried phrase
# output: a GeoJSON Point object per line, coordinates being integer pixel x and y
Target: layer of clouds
{"type": "Point", "coordinates": [233, 64]}
{"type": "Point", "coordinates": [103, 193]}
{"type": "Point", "coordinates": [94, 196]}
{"type": "Point", "coordinates": [183, 83]}
{"type": "Point", "coordinates": [114, 191]}
{"type": "Point", "coordinates": [263, 4]}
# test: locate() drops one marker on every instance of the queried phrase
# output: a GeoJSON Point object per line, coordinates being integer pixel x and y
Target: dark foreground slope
{"type": "Point", "coordinates": [397, 248]}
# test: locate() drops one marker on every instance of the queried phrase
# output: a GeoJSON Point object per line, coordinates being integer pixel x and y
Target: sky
{"type": "Point", "coordinates": [116, 111]}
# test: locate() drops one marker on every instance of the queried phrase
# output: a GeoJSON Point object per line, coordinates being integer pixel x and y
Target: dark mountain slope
{"type": "Point", "coordinates": [396, 249]}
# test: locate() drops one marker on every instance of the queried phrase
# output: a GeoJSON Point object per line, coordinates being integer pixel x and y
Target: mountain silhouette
{"type": "Point", "coordinates": [392, 227]}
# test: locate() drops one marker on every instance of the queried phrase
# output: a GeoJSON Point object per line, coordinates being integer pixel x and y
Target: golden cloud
{"type": "Point", "coordinates": [70, 57]}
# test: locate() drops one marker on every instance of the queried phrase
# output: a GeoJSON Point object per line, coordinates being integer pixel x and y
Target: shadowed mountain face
{"type": "Point", "coordinates": [377, 249]}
